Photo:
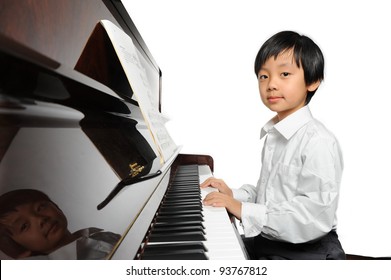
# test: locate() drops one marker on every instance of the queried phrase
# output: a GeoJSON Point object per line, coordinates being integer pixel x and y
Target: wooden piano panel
{"type": "Point", "coordinates": [58, 29]}
{"type": "Point", "coordinates": [45, 146]}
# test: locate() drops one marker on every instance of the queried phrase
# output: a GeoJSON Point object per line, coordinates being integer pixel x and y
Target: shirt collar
{"type": "Point", "coordinates": [290, 125]}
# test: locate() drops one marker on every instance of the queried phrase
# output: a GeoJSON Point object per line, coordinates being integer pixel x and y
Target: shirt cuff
{"type": "Point", "coordinates": [253, 218]}
{"type": "Point", "coordinates": [240, 194]}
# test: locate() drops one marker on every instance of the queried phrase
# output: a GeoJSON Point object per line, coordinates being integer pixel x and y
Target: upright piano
{"type": "Point", "coordinates": [71, 126]}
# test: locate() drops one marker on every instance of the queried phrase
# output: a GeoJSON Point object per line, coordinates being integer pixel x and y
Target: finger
{"type": "Point", "coordinates": [219, 184]}
{"type": "Point", "coordinates": [215, 199]}
{"type": "Point", "coordinates": [206, 183]}
{"type": "Point", "coordinates": [215, 202]}
{"type": "Point", "coordinates": [207, 200]}
{"type": "Point", "coordinates": [216, 184]}
{"type": "Point", "coordinates": [212, 182]}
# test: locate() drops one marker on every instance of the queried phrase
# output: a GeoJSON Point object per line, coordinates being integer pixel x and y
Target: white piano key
{"type": "Point", "coordinates": [222, 239]}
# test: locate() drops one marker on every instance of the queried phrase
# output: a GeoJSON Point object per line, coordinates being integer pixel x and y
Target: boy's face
{"type": "Point", "coordinates": [282, 85]}
{"type": "Point", "coordinates": [38, 226]}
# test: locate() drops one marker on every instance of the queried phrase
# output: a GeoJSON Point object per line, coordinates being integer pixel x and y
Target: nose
{"type": "Point", "coordinates": [40, 220]}
{"type": "Point", "coordinates": [272, 84]}
{"type": "Point", "coordinates": [44, 221]}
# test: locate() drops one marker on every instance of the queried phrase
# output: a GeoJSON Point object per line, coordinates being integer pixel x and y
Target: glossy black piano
{"type": "Point", "coordinates": [72, 127]}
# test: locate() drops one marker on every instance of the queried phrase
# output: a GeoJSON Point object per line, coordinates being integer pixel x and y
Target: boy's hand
{"type": "Point", "coordinates": [218, 199]}
{"type": "Point", "coordinates": [218, 184]}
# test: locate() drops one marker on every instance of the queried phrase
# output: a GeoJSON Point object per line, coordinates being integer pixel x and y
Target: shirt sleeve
{"type": "Point", "coordinates": [254, 218]}
{"type": "Point", "coordinates": [245, 193]}
{"type": "Point", "coordinates": [253, 215]}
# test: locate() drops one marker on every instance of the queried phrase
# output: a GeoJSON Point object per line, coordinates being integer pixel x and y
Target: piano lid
{"type": "Point", "coordinates": [67, 132]}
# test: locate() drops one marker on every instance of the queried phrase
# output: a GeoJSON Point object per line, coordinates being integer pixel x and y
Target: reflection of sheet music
{"type": "Point", "coordinates": [137, 77]}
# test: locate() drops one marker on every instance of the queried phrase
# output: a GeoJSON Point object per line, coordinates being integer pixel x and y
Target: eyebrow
{"type": "Point", "coordinates": [12, 220]}
{"type": "Point", "coordinates": [285, 64]}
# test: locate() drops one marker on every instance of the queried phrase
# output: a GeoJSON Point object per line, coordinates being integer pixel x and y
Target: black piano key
{"type": "Point", "coordinates": [188, 196]}
{"type": "Point", "coordinates": [185, 250]}
{"type": "Point", "coordinates": [174, 208]}
{"type": "Point", "coordinates": [180, 200]}
{"type": "Point", "coordinates": [181, 182]}
{"type": "Point", "coordinates": [160, 248]}
{"type": "Point", "coordinates": [174, 223]}
{"type": "Point", "coordinates": [184, 189]}
{"type": "Point", "coordinates": [183, 228]}
{"type": "Point", "coordinates": [186, 184]}
{"type": "Point", "coordinates": [183, 196]}
{"type": "Point", "coordinates": [179, 255]}
{"type": "Point", "coordinates": [181, 203]}
{"type": "Point", "coordinates": [176, 236]}
{"type": "Point", "coordinates": [192, 167]}
{"type": "Point", "coordinates": [184, 217]}
{"type": "Point", "coordinates": [180, 179]}
{"type": "Point", "coordinates": [174, 202]}
{"type": "Point", "coordinates": [185, 172]}
{"type": "Point", "coordinates": [181, 192]}
{"type": "Point", "coordinates": [187, 177]}
{"type": "Point", "coordinates": [163, 212]}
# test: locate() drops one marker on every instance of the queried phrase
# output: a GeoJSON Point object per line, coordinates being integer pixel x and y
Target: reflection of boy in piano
{"type": "Point", "coordinates": [33, 226]}
{"type": "Point", "coordinates": [291, 213]}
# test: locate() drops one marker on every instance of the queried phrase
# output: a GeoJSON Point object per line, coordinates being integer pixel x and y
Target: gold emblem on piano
{"type": "Point", "coordinates": [135, 169]}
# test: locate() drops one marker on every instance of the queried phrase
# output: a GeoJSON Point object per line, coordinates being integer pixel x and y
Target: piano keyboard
{"type": "Point", "coordinates": [185, 229]}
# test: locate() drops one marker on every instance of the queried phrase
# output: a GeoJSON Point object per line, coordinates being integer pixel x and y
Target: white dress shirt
{"type": "Point", "coordinates": [93, 244]}
{"type": "Point", "coordinates": [296, 196]}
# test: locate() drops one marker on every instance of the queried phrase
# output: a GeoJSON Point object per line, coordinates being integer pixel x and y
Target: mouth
{"type": "Point", "coordinates": [274, 99]}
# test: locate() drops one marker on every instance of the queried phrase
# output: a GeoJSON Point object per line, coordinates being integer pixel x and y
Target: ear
{"type": "Point", "coordinates": [312, 87]}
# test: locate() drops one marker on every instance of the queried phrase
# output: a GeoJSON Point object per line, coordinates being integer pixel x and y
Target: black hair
{"type": "Point", "coordinates": [306, 53]}
{"type": "Point", "coordinates": [10, 200]}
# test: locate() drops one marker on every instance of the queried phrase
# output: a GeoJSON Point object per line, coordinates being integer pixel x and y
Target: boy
{"type": "Point", "coordinates": [291, 213]}
{"type": "Point", "coordinates": [33, 226]}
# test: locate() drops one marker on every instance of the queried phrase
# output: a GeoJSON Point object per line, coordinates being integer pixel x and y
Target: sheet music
{"type": "Point", "coordinates": [136, 74]}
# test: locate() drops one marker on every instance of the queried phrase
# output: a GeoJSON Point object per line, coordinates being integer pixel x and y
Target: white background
{"type": "Point", "coordinates": [206, 50]}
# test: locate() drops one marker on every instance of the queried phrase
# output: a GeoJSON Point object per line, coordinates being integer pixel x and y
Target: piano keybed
{"type": "Point", "coordinates": [185, 229]}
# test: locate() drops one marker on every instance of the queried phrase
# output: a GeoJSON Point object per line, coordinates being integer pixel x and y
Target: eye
{"type": "Point", "coordinates": [262, 77]}
{"type": "Point", "coordinates": [285, 74]}
{"type": "Point", "coordinates": [24, 227]}
{"type": "Point", "coordinates": [41, 206]}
